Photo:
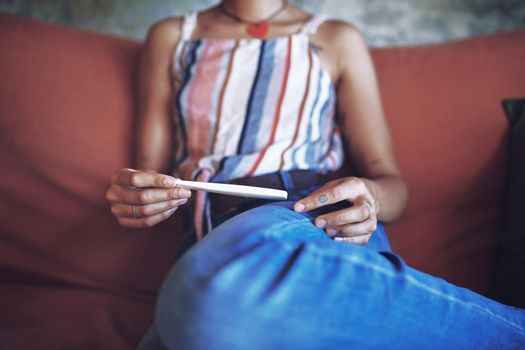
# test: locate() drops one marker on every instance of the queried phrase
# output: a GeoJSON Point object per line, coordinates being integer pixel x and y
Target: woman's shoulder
{"type": "Point", "coordinates": [341, 38]}
{"type": "Point", "coordinates": [337, 41]}
{"type": "Point", "coordinates": [339, 32]}
{"type": "Point", "coordinates": [167, 30]}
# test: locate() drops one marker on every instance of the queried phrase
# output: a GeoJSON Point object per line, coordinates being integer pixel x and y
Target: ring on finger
{"type": "Point", "coordinates": [341, 234]}
{"type": "Point", "coordinates": [134, 211]}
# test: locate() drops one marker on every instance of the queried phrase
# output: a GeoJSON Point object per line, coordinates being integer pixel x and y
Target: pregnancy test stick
{"type": "Point", "coordinates": [234, 190]}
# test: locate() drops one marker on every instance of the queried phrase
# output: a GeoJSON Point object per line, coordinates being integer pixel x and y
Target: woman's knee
{"type": "Point", "coordinates": [255, 260]}
{"type": "Point", "coordinates": [248, 292]}
{"type": "Point", "coordinates": [207, 297]}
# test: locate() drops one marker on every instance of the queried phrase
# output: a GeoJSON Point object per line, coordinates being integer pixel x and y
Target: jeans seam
{"type": "Point", "coordinates": [466, 304]}
{"type": "Point", "coordinates": [410, 279]}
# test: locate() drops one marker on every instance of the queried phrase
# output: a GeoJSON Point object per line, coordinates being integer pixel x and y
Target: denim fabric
{"type": "Point", "coordinates": [269, 279]}
{"type": "Point", "coordinates": [189, 237]}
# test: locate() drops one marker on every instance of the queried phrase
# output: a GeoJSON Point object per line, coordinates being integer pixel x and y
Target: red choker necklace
{"type": "Point", "coordinates": [257, 29]}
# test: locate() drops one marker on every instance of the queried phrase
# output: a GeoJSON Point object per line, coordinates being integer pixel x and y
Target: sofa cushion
{"type": "Point", "coordinates": [67, 104]}
{"type": "Point", "coordinates": [509, 275]}
{"type": "Point", "coordinates": [45, 316]}
{"type": "Point", "coordinates": [443, 106]}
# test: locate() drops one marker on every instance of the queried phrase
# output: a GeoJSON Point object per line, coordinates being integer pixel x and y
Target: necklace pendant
{"type": "Point", "coordinates": [258, 30]}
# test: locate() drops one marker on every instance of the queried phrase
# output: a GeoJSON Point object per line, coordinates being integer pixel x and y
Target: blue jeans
{"type": "Point", "coordinates": [269, 279]}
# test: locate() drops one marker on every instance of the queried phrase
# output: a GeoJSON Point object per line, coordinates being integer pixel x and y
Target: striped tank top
{"type": "Point", "coordinates": [248, 107]}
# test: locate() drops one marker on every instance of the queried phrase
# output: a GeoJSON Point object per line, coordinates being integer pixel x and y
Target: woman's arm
{"type": "Point", "coordinates": [145, 197]}
{"type": "Point", "coordinates": [364, 125]}
{"type": "Point", "coordinates": [379, 193]}
{"type": "Point", "coordinates": [155, 143]}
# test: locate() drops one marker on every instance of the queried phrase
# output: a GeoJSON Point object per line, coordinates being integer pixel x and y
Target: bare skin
{"type": "Point", "coordinates": [379, 193]}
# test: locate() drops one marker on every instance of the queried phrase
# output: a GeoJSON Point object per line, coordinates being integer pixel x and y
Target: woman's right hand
{"type": "Point", "coordinates": [144, 198]}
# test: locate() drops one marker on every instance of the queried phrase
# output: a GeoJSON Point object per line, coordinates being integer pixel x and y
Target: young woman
{"type": "Point", "coordinates": [261, 93]}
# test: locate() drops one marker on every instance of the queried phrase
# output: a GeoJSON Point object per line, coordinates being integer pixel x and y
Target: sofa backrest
{"type": "Point", "coordinates": [443, 104]}
{"type": "Point", "coordinates": [67, 110]}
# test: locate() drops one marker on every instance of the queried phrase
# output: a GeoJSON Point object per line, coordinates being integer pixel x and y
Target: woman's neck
{"type": "Point", "coordinates": [252, 10]}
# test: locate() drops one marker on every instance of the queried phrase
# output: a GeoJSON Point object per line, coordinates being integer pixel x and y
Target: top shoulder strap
{"type": "Point", "coordinates": [311, 26]}
{"type": "Point", "coordinates": [188, 25]}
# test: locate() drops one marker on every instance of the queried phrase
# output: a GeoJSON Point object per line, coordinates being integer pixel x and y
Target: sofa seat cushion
{"type": "Point", "coordinates": [45, 316]}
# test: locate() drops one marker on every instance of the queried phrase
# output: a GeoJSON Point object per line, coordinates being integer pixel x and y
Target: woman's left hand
{"type": "Point", "coordinates": [355, 224]}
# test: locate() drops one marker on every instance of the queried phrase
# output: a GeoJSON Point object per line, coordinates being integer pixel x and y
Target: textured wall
{"type": "Point", "coordinates": [385, 22]}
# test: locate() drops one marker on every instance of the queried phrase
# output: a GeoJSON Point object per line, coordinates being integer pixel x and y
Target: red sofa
{"type": "Point", "coordinates": [72, 278]}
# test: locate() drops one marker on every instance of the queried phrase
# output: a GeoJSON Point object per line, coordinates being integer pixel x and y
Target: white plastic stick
{"type": "Point", "coordinates": [234, 190]}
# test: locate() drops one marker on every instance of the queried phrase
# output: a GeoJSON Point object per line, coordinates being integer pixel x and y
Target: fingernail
{"type": "Point", "coordinates": [331, 232]}
{"type": "Point", "coordinates": [320, 223]}
{"type": "Point", "coordinates": [178, 202]}
{"type": "Point", "coordinates": [170, 182]}
{"type": "Point", "coordinates": [298, 207]}
{"type": "Point", "coordinates": [179, 194]}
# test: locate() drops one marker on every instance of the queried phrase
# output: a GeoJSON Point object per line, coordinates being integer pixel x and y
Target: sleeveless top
{"type": "Point", "coordinates": [247, 107]}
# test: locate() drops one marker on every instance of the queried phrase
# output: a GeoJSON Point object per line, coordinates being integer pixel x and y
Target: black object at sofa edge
{"type": "Point", "coordinates": [509, 274]}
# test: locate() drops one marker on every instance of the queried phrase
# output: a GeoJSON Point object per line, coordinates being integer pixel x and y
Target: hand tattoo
{"type": "Point", "coordinates": [323, 198]}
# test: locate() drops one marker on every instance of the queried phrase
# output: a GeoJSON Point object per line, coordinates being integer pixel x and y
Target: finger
{"type": "Point", "coordinates": [359, 211]}
{"type": "Point", "coordinates": [351, 230]}
{"type": "Point", "coordinates": [328, 194]}
{"type": "Point", "coordinates": [136, 178]}
{"type": "Point", "coordinates": [126, 210]}
{"type": "Point", "coordinates": [117, 194]}
{"type": "Point", "coordinates": [332, 192]}
{"type": "Point", "coordinates": [146, 221]}
{"type": "Point", "coordinates": [356, 240]}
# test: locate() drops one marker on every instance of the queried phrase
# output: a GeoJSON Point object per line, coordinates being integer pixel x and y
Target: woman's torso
{"type": "Point", "coordinates": [247, 107]}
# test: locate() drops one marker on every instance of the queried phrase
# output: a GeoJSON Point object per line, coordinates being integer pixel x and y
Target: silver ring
{"type": "Point", "coordinates": [134, 211]}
